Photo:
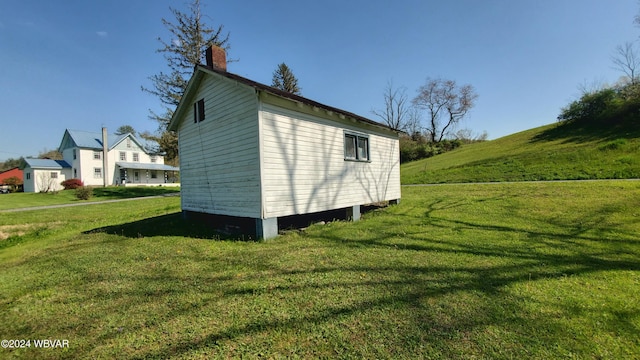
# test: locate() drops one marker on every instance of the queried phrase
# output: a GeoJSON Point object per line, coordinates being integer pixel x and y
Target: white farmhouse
{"type": "Point", "coordinates": [252, 151]}
{"type": "Point", "coordinates": [98, 159]}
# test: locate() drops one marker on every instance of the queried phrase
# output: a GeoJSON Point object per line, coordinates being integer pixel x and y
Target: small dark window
{"type": "Point", "coordinates": [198, 111]}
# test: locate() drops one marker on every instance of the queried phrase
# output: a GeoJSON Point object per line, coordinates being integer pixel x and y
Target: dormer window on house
{"type": "Point", "coordinates": [128, 143]}
{"type": "Point", "coordinates": [198, 111]}
{"type": "Point", "coordinates": [356, 147]}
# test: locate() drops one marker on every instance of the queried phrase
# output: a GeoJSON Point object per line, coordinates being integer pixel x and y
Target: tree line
{"type": "Point", "coordinates": [610, 106]}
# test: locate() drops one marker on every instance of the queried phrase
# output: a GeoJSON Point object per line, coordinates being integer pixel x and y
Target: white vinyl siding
{"type": "Point", "coordinates": [304, 167]}
{"type": "Point", "coordinates": [39, 179]}
{"type": "Point", "coordinates": [219, 163]}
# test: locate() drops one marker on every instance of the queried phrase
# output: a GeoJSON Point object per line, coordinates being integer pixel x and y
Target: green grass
{"type": "Point", "coordinates": [547, 153]}
{"type": "Point", "coordinates": [528, 270]}
{"type": "Point", "coordinates": [25, 200]}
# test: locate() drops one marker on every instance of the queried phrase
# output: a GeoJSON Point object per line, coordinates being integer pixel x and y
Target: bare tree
{"type": "Point", "coordinates": [446, 105]}
{"type": "Point", "coordinates": [468, 136]}
{"type": "Point", "coordinates": [397, 109]}
{"type": "Point", "coordinates": [591, 87]}
{"type": "Point", "coordinates": [627, 60]}
{"type": "Point", "coordinates": [45, 182]}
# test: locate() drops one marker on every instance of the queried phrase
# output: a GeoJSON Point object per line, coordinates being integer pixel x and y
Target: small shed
{"type": "Point", "coordinates": [252, 151]}
{"type": "Point", "coordinates": [45, 175]}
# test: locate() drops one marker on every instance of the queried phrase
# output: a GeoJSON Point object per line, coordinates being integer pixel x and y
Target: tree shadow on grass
{"type": "Point", "coordinates": [205, 226]}
{"type": "Point", "coordinates": [420, 288]}
{"type": "Point", "coordinates": [163, 225]}
{"type": "Point", "coordinates": [121, 192]}
{"type": "Point", "coordinates": [572, 132]}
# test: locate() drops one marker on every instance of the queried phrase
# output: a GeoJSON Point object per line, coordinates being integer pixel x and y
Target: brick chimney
{"type": "Point", "coordinates": [216, 58]}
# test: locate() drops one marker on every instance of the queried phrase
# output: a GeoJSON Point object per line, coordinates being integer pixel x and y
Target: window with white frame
{"type": "Point", "coordinates": [97, 173]}
{"type": "Point", "coordinates": [154, 174]}
{"type": "Point", "coordinates": [129, 143]}
{"type": "Point", "coordinates": [28, 175]}
{"type": "Point", "coordinates": [356, 147]}
{"type": "Point", "coordinates": [153, 158]}
{"type": "Point", "coordinates": [96, 155]}
{"type": "Point", "coordinates": [136, 157]}
{"type": "Point", "coordinates": [123, 156]}
{"type": "Point", "coordinates": [54, 175]}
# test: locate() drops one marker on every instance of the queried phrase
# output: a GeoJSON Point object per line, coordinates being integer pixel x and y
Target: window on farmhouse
{"type": "Point", "coordinates": [154, 158]}
{"type": "Point", "coordinates": [198, 111]}
{"type": "Point", "coordinates": [97, 173]}
{"type": "Point", "coordinates": [123, 156]}
{"type": "Point", "coordinates": [54, 175]}
{"type": "Point", "coordinates": [356, 147]}
{"type": "Point", "coordinates": [136, 157]}
{"type": "Point", "coordinates": [96, 155]}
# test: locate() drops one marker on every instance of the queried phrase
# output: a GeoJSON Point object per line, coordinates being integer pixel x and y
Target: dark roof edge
{"type": "Point", "coordinates": [294, 97]}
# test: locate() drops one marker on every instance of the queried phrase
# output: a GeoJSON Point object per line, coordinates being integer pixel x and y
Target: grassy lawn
{"type": "Point", "coordinates": [24, 200]}
{"type": "Point", "coordinates": [526, 270]}
{"type": "Point", "coordinates": [544, 153]}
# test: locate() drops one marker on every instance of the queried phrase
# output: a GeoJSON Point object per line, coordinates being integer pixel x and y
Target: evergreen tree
{"type": "Point", "coordinates": [190, 37]}
{"type": "Point", "coordinates": [284, 79]}
{"type": "Point", "coordinates": [125, 129]}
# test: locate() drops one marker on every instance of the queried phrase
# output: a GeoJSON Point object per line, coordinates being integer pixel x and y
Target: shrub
{"type": "Point", "coordinates": [608, 107]}
{"type": "Point", "coordinates": [411, 149]}
{"type": "Point", "coordinates": [84, 192]}
{"type": "Point", "coordinates": [71, 184]}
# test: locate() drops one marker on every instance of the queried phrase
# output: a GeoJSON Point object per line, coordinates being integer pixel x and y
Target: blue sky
{"type": "Point", "coordinates": [80, 64]}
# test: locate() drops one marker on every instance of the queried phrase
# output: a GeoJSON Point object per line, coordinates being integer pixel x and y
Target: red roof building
{"type": "Point", "coordinates": [15, 172]}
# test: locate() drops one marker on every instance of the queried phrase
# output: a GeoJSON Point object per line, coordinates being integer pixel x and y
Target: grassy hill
{"type": "Point", "coordinates": [551, 152]}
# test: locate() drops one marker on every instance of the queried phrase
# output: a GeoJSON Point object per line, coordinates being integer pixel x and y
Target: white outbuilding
{"type": "Point", "coordinates": [248, 150]}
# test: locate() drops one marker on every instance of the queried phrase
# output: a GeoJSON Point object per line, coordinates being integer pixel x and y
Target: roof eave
{"type": "Point", "coordinates": [198, 73]}
{"type": "Point", "coordinates": [200, 70]}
